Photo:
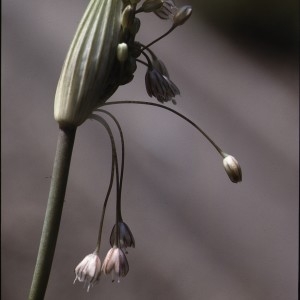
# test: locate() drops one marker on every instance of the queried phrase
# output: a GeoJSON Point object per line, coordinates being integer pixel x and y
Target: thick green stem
{"type": "Point", "coordinates": [53, 213]}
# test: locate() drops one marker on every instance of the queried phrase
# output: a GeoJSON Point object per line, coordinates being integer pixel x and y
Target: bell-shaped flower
{"type": "Point", "coordinates": [167, 10]}
{"type": "Point", "coordinates": [116, 263]}
{"type": "Point", "coordinates": [126, 238]}
{"type": "Point", "coordinates": [160, 86]}
{"type": "Point", "coordinates": [88, 270]}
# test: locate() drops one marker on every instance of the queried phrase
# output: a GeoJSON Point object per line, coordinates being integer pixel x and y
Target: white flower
{"type": "Point", "coordinates": [88, 270]}
{"type": "Point", "coordinates": [115, 262]}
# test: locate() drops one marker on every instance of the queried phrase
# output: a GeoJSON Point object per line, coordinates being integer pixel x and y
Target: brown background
{"type": "Point", "coordinates": [198, 236]}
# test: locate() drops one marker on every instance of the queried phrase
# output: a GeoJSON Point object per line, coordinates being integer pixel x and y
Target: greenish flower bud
{"type": "Point", "coordinates": [182, 15]}
{"type": "Point", "coordinates": [122, 52]}
{"type": "Point", "coordinates": [151, 5]}
{"type": "Point", "coordinates": [87, 77]}
{"type": "Point", "coordinates": [128, 17]}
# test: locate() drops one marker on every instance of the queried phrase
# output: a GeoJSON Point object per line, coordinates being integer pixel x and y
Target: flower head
{"type": "Point", "coordinates": [232, 168]}
{"type": "Point", "coordinates": [88, 270]}
{"type": "Point", "coordinates": [115, 262]}
{"type": "Point", "coordinates": [126, 238]}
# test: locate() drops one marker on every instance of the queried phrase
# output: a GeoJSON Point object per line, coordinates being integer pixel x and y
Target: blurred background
{"type": "Point", "coordinates": [198, 236]}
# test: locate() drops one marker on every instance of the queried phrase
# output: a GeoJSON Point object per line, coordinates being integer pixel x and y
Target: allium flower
{"type": "Point", "coordinates": [232, 168]}
{"type": "Point", "coordinates": [89, 270]}
{"type": "Point", "coordinates": [167, 10]}
{"type": "Point", "coordinates": [126, 237]}
{"type": "Point", "coordinates": [160, 86]}
{"type": "Point", "coordinates": [115, 262]}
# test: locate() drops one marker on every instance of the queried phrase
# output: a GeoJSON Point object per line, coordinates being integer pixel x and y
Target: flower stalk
{"type": "Point", "coordinates": [52, 219]}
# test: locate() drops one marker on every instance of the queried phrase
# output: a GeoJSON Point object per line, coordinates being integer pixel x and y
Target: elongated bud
{"type": "Point", "coordinates": [151, 5]}
{"type": "Point", "coordinates": [87, 77]}
{"type": "Point", "coordinates": [182, 15]}
{"type": "Point", "coordinates": [127, 17]}
{"type": "Point", "coordinates": [122, 52]}
{"type": "Point", "coordinates": [232, 168]}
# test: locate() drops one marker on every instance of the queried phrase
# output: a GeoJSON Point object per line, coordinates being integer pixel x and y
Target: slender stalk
{"type": "Point", "coordinates": [176, 113]}
{"type": "Point", "coordinates": [52, 219]}
{"type": "Point", "coordinates": [104, 123]}
{"type": "Point", "coordinates": [122, 157]}
{"type": "Point", "coordinates": [159, 38]}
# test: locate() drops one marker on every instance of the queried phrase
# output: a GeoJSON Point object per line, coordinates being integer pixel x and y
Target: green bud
{"type": "Point", "coordinates": [122, 52]}
{"type": "Point", "coordinates": [127, 17]}
{"type": "Point", "coordinates": [182, 15]}
{"type": "Point", "coordinates": [151, 5]}
{"type": "Point", "coordinates": [87, 76]}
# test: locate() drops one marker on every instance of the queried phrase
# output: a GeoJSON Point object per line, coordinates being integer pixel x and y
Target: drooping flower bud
{"type": "Point", "coordinates": [232, 168]}
{"type": "Point", "coordinates": [88, 75]}
{"type": "Point", "coordinates": [182, 15]}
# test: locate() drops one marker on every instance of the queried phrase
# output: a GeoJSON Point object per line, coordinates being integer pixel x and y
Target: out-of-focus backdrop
{"type": "Point", "coordinates": [198, 236]}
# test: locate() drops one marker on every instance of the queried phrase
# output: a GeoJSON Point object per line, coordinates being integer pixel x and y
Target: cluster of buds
{"type": "Point", "coordinates": [104, 55]}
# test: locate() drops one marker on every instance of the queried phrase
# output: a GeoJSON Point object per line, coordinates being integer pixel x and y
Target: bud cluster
{"type": "Point", "coordinates": [104, 55]}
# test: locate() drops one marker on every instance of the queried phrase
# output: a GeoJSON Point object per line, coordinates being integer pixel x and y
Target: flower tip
{"type": "Point", "coordinates": [232, 168]}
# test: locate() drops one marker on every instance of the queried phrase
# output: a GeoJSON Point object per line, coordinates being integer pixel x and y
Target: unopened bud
{"type": "Point", "coordinates": [122, 52]}
{"type": "Point", "coordinates": [232, 168]}
{"type": "Point", "coordinates": [133, 2]}
{"type": "Point", "coordinates": [88, 75]}
{"type": "Point", "coordinates": [127, 17]}
{"type": "Point", "coordinates": [182, 15]}
{"type": "Point", "coordinates": [151, 5]}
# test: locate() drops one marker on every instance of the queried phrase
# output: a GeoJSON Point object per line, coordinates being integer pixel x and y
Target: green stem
{"type": "Point", "coordinates": [52, 219]}
{"type": "Point", "coordinates": [174, 112]}
{"type": "Point", "coordinates": [122, 158]}
{"type": "Point", "coordinates": [105, 124]}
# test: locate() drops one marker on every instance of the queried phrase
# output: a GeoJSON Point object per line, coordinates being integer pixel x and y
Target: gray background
{"type": "Point", "coordinates": [198, 236]}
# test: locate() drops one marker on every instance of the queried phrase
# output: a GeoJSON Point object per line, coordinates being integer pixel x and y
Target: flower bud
{"type": "Point", "coordinates": [122, 52]}
{"type": "Point", "coordinates": [151, 5]}
{"type": "Point", "coordinates": [182, 15]}
{"type": "Point", "coordinates": [127, 17]}
{"type": "Point", "coordinates": [87, 77]}
{"type": "Point", "coordinates": [232, 168]}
